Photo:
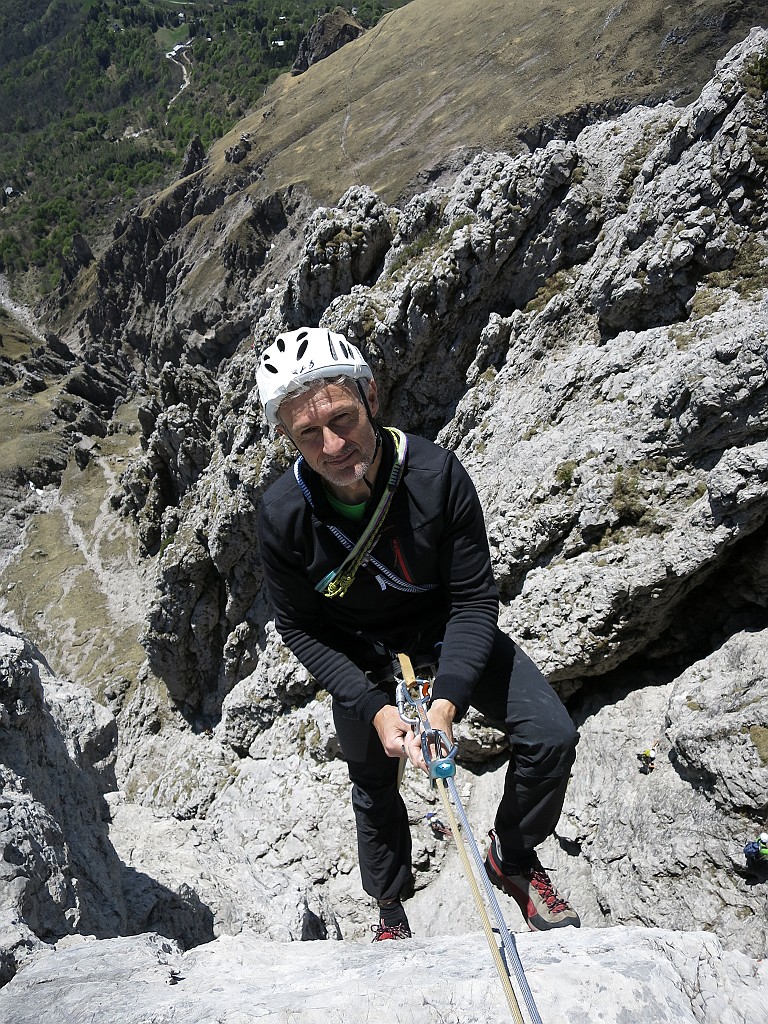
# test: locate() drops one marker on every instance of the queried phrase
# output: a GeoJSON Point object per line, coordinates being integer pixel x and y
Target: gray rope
{"type": "Point", "coordinates": [507, 942]}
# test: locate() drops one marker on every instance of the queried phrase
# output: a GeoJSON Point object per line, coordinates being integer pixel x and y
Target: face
{"type": "Point", "coordinates": [331, 429]}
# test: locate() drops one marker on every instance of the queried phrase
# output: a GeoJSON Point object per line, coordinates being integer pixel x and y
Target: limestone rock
{"type": "Point", "coordinates": [197, 866]}
{"type": "Point", "coordinates": [586, 326]}
{"type": "Point", "coordinates": [177, 430]}
{"type": "Point", "coordinates": [278, 684]}
{"type": "Point", "coordinates": [589, 507]}
{"type": "Point", "coordinates": [619, 974]}
{"type": "Point", "coordinates": [344, 247]}
{"type": "Point", "coordinates": [81, 249]}
{"type": "Point", "coordinates": [681, 828]}
{"type": "Point", "coordinates": [61, 875]}
{"type": "Point", "coordinates": [194, 157]}
{"type": "Point", "coordinates": [56, 758]}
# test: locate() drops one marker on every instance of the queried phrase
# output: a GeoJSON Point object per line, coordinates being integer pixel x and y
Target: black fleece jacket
{"type": "Point", "coordinates": [428, 580]}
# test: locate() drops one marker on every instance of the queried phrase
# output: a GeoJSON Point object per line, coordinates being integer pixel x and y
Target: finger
{"type": "Point", "coordinates": [413, 751]}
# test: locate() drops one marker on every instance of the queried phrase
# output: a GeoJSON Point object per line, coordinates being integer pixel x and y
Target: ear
{"type": "Point", "coordinates": [282, 432]}
{"type": "Point", "coordinates": [373, 397]}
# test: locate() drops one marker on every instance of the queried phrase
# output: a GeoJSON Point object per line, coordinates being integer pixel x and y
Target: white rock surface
{"type": "Point", "coordinates": [612, 976]}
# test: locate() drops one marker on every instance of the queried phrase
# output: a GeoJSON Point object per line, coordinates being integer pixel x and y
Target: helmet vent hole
{"type": "Point", "coordinates": [280, 344]}
{"type": "Point", "coordinates": [302, 349]}
{"type": "Point", "coordinates": [268, 366]}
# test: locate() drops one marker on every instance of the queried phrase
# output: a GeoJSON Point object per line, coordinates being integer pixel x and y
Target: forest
{"type": "Point", "coordinates": [93, 117]}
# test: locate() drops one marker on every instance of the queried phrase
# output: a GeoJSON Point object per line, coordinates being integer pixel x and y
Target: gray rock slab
{"type": "Point", "coordinates": [613, 976]}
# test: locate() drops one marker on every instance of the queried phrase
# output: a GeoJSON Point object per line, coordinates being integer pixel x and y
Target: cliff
{"type": "Point", "coordinates": [585, 323]}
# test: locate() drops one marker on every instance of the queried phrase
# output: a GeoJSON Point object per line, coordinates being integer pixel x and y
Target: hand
{"type": "Point", "coordinates": [394, 733]}
{"type": "Point", "coordinates": [441, 715]}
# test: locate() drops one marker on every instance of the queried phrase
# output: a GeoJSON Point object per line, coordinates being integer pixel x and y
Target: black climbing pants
{"type": "Point", "coordinates": [512, 693]}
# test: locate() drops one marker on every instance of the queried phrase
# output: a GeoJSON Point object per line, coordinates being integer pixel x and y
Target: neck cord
{"type": "Point", "coordinates": [338, 581]}
{"type": "Point", "coordinates": [376, 431]}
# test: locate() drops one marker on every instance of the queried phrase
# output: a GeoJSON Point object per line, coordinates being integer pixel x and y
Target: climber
{"type": "Point", "coordinates": [438, 827]}
{"type": "Point", "coordinates": [756, 852]}
{"type": "Point", "coordinates": [373, 543]}
{"type": "Point", "coordinates": [647, 759]}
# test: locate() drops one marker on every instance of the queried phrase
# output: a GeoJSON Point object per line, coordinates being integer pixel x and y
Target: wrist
{"type": "Point", "coordinates": [443, 708]}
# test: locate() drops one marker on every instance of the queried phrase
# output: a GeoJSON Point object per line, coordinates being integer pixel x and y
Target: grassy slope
{"type": "Point", "coordinates": [72, 583]}
{"type": "Point", "coordinates": [442, 74]}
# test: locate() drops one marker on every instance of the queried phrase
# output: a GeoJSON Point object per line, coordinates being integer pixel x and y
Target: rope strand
{"type": "Point", "coordinates": [462, 833]}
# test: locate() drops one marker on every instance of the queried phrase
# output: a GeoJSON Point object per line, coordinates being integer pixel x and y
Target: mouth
{"type": "Point", "coordinates": [341, 460]}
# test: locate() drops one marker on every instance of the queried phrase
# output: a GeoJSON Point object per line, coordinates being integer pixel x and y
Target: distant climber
{"type": "Point", "coordinates": [373, 543]}
{"type": "Point", "coordinates": [647, 759]}
{"type": "Point", "coordinates": [756, 854]}
{"type": "Point", "coordinates": [438, 827]}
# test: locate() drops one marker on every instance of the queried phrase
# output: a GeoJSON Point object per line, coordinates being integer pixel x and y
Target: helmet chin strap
{"type": "Point", "coordinates": [376, 432]}
{"type": "Point", "coordinates": [287, 434]}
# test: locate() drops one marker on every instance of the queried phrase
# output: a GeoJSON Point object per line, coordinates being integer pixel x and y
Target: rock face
{"type": "Point", "coordinates": [60, 816]}
{"type": "Point", "coordinates": [692, 811]}
{"type": "Point", "coordinates": [618, 974]}
{"type": "Point", "coordinates": [586, 325]}
{"type": "Point", "coordinates": [331, 31]}
{"type": "Point", "coordinates": [55, 871]}
{"type": "Point", "coordinates": [635, 458]}
{"type": "Point", "coordinates": [61, 875]}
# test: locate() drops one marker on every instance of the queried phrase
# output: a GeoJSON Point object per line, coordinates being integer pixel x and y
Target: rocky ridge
{"type": "Point", "coordinates": [586, 325]}
{"type": "Point", "coordinates": [330, 32]}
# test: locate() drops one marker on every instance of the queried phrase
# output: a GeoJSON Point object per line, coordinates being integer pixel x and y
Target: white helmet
{"type": "Point", "coordinates": [298, 357]}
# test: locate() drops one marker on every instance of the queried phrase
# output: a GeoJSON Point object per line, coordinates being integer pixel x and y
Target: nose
{"type": "Point", "coordinates": [332, 442]}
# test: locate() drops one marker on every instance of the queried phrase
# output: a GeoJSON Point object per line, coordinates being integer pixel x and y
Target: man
{"type": "Point", "coordinates": [374, 544]}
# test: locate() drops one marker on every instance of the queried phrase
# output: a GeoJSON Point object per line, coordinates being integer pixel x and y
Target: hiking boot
{"type": "Point", "coordinates": [386, 931]}
{"type": "Point", "coordinates": [532, 889]}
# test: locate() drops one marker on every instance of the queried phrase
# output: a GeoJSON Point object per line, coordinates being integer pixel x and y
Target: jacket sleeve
{"type": "Point", "coordinates": [300, 620]}
{"type": "Point", "coordinates": [466, 574]}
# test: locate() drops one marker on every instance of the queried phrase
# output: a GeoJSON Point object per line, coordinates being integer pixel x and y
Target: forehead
{"type": "Point", "coordinates": [318, 405]}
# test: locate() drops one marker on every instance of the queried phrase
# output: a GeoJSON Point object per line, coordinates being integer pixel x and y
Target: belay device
{"type": "Point", "coordinates": [412, 701]}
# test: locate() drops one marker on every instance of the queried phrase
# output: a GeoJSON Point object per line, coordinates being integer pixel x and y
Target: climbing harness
{"type": "Point", "coordinates": [412, 696]}
{"type": "Point", "coordinates": [338, 581]}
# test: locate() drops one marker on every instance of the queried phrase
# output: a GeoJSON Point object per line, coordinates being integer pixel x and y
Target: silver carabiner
{"type": "Point", "coordinates": [443, 765]}
{"type": "Point", "coordinates": [406, 701]}
{"type": "Point", "coordinates": [440, 767]}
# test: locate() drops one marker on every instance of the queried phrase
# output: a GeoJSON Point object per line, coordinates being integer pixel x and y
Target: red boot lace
{"type": "Point", "coordinates": [384, 931]}
{"type": "Point", "coordinates": [541, 882]}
